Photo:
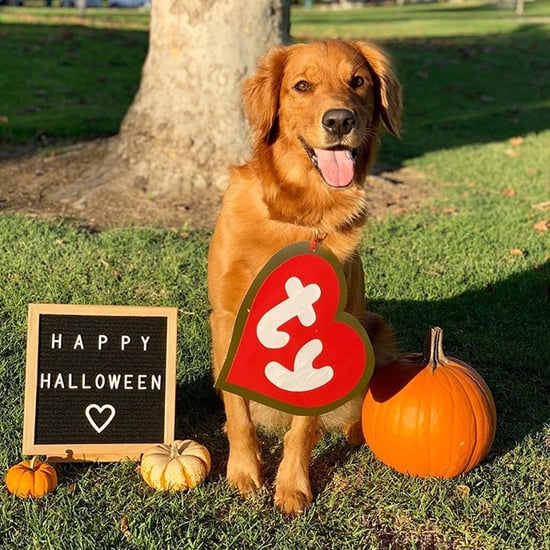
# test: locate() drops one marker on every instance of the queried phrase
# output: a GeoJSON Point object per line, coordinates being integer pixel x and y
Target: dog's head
{"type": "Point", "coordinates": [326, 103]}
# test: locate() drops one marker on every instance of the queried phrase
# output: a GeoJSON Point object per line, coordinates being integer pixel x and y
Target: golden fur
{"type": "Point", "coordinates": [279, 197]}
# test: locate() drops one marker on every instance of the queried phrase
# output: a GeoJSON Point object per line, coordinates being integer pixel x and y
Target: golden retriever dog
{"type": "Point", "coordinates": [316, 112]}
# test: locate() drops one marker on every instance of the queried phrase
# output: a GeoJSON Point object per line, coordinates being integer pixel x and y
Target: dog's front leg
{"type": "Point", "coordinates": [293, 488]}
{"type": "Point", "coordinates": [243, 465]}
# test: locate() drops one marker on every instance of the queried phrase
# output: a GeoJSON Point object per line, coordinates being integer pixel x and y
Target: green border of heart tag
{"type": "Point", "coordinates": [285, 254]}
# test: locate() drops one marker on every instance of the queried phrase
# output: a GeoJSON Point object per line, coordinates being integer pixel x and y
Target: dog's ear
{"type": "Point", "coordinates": [261, 95]}
{"type": "Point", "coordinates": [391, 101]}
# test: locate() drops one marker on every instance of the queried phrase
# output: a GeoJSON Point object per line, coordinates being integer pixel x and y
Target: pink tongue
{"type": "Point", "coordinates": [336, 166]}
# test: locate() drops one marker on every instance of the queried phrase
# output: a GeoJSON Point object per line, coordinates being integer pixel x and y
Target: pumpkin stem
{"type": "Point", "coordinates": [174, 452]}
{"type": "Point", "coordinates": [32, 462]}
{"type": "Point", "coordinates": [434, 355]}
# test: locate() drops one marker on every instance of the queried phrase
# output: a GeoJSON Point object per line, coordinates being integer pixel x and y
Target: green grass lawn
{"type": "Point", "coordinates": [474, 260]}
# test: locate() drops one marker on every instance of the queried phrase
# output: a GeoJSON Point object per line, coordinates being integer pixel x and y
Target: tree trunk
{"type": "Point", "coordinates": [81, 5]}
{"type": "Point", "coordinates": [519, 6]}
{"type": "Point", "coordinates": [186, 124]}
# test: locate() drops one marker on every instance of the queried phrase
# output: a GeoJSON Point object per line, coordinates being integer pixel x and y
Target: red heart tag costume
{"type": "Point", "coordinates": [293, 347]}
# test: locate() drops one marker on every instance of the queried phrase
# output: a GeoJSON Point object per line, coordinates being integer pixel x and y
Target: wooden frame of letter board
{"type": "Point", "coordinates": [95, 452]}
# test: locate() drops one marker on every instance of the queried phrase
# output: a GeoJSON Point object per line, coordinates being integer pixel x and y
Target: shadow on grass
{"type": "Point", "coordinates": [471, 90]}
{"type": "Point", "coordinates": [71, 82]}
{"type": "Point", "coordinates": [502, 331]}
{"type": "Point", "coordinates": [66, 82]}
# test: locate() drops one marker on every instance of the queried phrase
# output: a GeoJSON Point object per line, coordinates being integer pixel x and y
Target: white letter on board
{"type": "Point", "coordinates": [45, 380]}
{"type": "Point", "coordinates": [156, 381]}
{"type": "Point", "coordinates": [114, 381]}
{"type": "Point", "coordinates": [128, 381]}
{"type": "Point", "coordinates": [142, 381]}
{"type": "Point", "coordinates": [84, 385]}
{"type": "Point", "coordinates": [124, 341]}
{"type": "Point", "coordinates": [59, 382]}
{"type": "Point", "coordinates": [101, 339]}
{"type": "Point", "coordinates": [70, 385]}
{"type": "Point", "coordinates": [145, 341]}
{"type": "Point", "coordinates": [57, 340]}
{"type": "Point", "coordinates": [78, 343]}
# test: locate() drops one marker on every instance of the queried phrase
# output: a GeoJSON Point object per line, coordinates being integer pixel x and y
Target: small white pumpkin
{"type": "Point", "coordinates": [177, 466]}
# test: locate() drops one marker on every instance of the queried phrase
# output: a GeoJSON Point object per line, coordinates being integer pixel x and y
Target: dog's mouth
{"type": "Point", "coordinates": [336, 165]}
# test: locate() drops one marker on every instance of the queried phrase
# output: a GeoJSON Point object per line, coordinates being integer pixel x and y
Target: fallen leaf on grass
{"type": "Point", "coordinates": [449, 210]}
{"type": "Point", "coordinates": [124, 527]}
{"type": "Point", "coordinates": [516, 141]}
{"type": "Point", "coordinates": [512, 153]}
{"type": "Point", "coordinates": [543, 225]}
{"type": "Point", "coordinates": [516, 252]}
{"type": "Point", "coordinates": [541, 205]}
{"type": "Point", "coordinates": [509, 192]}
{"type": "Point", "coordinates": [4, 119]}
{"type": "Point", "coordinates": [486, 507]}
{"type": "Point", "coordinates": [463, 490]}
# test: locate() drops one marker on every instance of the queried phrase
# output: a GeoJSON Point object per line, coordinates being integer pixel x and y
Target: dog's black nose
{"type": "Point", "coordinates": [338, 121]}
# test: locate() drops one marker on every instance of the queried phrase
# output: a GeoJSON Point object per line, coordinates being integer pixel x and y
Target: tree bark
{"type": "Point", "coordinates": [186, 124]}
{"type": "Point", "coordinates": [520, 4]}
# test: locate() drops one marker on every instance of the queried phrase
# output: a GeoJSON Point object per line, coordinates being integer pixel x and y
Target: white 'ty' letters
{"type": "Point", "coordinates": [304, 377]}
{"type": "Point", "coordinates": [298, 304]}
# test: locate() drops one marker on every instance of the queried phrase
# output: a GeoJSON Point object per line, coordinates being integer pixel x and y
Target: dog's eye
{"type": "Point", "coordinates": [357, 81]}
{"type": "Point", "coordinates": [302, 86]}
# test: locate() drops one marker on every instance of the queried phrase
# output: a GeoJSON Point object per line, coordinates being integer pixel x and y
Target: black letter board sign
{"type": "Point", "coordinates": [100, 381]}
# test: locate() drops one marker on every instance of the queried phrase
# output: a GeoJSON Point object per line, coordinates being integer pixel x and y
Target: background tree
{"type": "Point", "coordinates": [186, 124]}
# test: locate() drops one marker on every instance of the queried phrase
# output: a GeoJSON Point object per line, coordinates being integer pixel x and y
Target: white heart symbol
{"type": "Point", "coordinates": [94, 407]}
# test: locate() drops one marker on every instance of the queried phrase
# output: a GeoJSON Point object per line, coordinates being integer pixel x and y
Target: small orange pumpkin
{"type": "Point", "coordinates": [429, 415]}
{"type": "Point", "coordinates": [178, 466]}
{"type": "Point", "coordinates": [31, 478]}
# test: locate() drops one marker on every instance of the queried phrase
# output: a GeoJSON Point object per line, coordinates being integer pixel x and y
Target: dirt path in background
{"type": "Point", "coordinates": [30, 179]}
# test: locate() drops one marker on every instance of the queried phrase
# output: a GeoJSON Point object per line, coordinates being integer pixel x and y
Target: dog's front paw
{"type": "Point", "coordinates": [354, 434]}
{"type": "Point", "coordinates": [245, 477]}
{"type": "Point", "coordinates": [292, 501]}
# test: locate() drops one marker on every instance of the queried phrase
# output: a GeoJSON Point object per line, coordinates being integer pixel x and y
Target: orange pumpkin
{"type": "Point", "coordinates": [429, 415]}
{"type": "Point", "coordinates": [31, 478]}
{"type": "Point", "coordinates": [175, 467]}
